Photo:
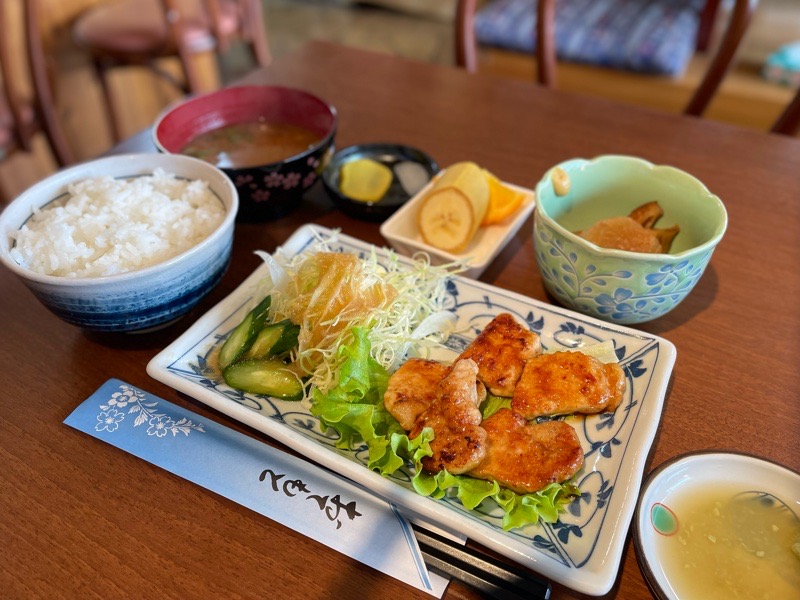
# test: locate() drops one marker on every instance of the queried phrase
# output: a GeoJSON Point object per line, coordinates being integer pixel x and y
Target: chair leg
{"type": "Point", "coordinates": [101, 71]}
{"type": "Point", "coordinates": [739, 22]}
{"type": "Point", "coordinates": [257, 37]}
{"type": "Point", "coordinates": [183, 86]}
{"type": "Point", "coordinates": [706, 25]}
{"type": "Point", "coordinates": [193, 73]}
{"type": "Point", "coordinates": [45, 100]}
{"type": "Point", "coordinates": [789, 121]}
{"type": "Point", "coordinates": [546, 43]}
{"type": "Point", "coordinates": [466, 46]}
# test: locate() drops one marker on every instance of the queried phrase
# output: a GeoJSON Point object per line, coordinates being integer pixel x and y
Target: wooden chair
{"type": "Point", "coordinates": [546, 60]}
{"type": "Point", "coordinates": [789, 121]}
{"type": "Point", "coordinates": [467, 45]}
{"type": "Point", "coordinates": [24, 114]}
{"type": "Point", "coordinates": [141, 32]}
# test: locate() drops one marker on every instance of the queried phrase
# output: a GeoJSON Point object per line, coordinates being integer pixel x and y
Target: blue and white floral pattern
{"type": "Point", "coordinates": [615, 444]}
{"type": "Point", "coordinates": [613, 293]}
{"type": "Point", "coordinates": [130, 401]}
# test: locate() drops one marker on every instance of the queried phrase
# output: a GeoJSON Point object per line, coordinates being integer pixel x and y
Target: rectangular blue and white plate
{"type": "Point", "coordinates": [583, 550]}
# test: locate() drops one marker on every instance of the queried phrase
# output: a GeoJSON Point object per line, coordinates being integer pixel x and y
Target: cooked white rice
{"type": "Point", "coordinates": [107, 226]}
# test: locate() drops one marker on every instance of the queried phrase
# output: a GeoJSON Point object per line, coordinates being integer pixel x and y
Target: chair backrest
{"type": "Point", "coordinates": [29, 115]}
{"type": "Point", "coordinates": [546, 59]}
{"type": "Point", "coordinates": [467, 45]}
{"type": "Point", "coordinates": [227, 20]}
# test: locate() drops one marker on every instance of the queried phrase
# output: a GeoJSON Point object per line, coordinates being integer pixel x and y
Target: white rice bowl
{"type": "Point", "coordinates": [126, 243]}
{"type": "Point", "coordinates": [106, 226]}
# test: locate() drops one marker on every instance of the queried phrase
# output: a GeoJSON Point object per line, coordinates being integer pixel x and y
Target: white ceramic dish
{"type": "Point", "coordinates": [403, 234]}
{"type": "Point", "coordinates": [583, 550]}
{"type": "Point", "coordinates": [700, 471]}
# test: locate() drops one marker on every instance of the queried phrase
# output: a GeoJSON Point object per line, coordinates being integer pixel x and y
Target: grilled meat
{"type": "Point", "coordinates": [567, 382]}
{"type": "Point", "coordinates": [460, 442]}
{"type": "Point", "coordinates": [527, 456]}
{"type": "Point", "coordinates": [500, 352]}
{"type": "Point", "coordinates": [412, 389]}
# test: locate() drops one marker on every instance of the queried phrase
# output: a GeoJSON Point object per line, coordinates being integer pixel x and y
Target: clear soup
{"type": "Point", "coordinates": [730, 544]}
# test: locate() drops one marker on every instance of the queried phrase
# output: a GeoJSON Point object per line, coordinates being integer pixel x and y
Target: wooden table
{"type": "Point", "coordinates": [79, 518]}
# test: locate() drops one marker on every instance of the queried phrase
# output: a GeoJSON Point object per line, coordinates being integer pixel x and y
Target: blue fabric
{"type": "Point", "coordinates": [648, 36]}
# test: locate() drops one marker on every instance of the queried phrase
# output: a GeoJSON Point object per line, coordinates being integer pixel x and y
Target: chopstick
{"type": "Point", "coordinates": [492, 577]}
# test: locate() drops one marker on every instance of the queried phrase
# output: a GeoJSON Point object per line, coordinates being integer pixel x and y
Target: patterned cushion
{"type": "Point", "coordinates": [648, 36]}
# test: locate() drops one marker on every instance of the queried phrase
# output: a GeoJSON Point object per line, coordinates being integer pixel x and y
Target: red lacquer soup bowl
{"type": "Point", "coordinates": [272, 141]}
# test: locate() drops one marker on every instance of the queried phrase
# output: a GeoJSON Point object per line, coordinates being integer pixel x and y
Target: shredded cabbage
{"type": "Point", "coordinates": [411, 315]}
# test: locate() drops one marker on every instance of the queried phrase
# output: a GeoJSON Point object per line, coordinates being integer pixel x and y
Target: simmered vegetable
{"type": "Point", "coordinates": [270, 377]}
{"type": "Point", "coordinates": [241, 338]}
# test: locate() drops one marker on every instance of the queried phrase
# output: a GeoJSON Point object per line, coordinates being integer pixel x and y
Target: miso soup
{"type": "Point", "coordinates": [251, 144]}
{"type": "Point", "coordinates": [730, 544]}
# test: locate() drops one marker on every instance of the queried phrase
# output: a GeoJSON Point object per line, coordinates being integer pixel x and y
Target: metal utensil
{"type": "Point", "coordinates": [494, 578]}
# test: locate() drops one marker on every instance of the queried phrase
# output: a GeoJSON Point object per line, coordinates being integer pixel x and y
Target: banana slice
{"type": "Point", "coordinates": [452, 211]}
{"type": "Point", "coordinates": [446, 219]}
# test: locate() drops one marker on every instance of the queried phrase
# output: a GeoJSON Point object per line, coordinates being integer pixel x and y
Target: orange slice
{"type": "Point", "coordinates": [503, 200]}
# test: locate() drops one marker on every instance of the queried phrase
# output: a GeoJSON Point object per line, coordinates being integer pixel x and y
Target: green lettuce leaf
{"type": "Point", "coordinates": [519, 510]}
{"type": "Point", "coordinates": [492, 404]}
{"type": "Point", "coordinates": [354, 408]}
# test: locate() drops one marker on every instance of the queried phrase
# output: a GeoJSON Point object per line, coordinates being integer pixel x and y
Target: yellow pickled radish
{"type": "Point", "coordinates": [453, 209]}
{"type": "Point", "coordinates": [503, 200]}
{"type": "Point", "coordinates": [364, 179]}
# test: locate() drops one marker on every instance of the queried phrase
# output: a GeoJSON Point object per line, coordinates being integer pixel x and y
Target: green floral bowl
{"type": "Point", "coordinates": [616, 285]}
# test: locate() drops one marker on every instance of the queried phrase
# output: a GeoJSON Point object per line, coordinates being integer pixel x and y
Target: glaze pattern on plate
{"type": "Point", "coordinates": [584, 532]}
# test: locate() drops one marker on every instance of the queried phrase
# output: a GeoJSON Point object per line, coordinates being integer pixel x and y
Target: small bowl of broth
{"type": "Point", "coordinates": [273, 142]}
{"type": "Point", "coordinates": [719, 525]}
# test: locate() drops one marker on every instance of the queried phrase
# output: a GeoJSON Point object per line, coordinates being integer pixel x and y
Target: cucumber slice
{"type": "Point", "coordinates": [274, 340]}
{"type": "Point", "coordinates": [243, 336]}
{"type": "Point", "coordinates": [269, 377]}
